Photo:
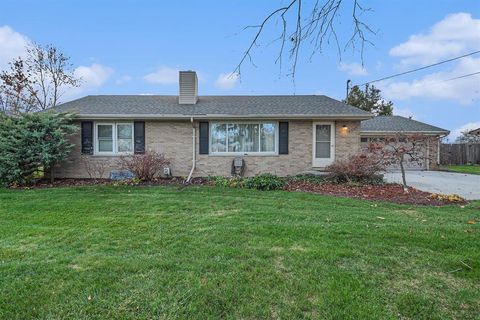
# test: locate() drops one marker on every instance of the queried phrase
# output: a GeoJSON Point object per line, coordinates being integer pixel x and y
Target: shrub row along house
{"type": "Point", "coordinates": [217, 135]}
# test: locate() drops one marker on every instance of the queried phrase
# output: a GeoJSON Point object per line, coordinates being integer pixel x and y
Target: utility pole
{"type": "Point", "coordinates": [348, 88]}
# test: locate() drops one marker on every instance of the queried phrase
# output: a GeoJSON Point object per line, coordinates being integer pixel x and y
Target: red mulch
{"type": "Point", "coordinates": [58, 183]}
{"type": "Point", "coordinates": [382, 192]}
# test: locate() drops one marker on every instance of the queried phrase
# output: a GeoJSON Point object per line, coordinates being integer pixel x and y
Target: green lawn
{"type": "Point", "coordinates": [204, 252]}
{"type": "Point", "coordinates": [472, 169]}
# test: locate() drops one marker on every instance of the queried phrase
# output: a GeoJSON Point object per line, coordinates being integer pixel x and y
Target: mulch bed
{"type": "Point", "coordinates": [58, 183]}
{"type": "Point", "coordinates": [381, 192]}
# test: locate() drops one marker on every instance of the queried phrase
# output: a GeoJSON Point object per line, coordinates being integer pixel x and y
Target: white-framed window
{"type": "Point", "coordinates": [113, 138]}
{"type": "Point", "coordinates": [243, 137]}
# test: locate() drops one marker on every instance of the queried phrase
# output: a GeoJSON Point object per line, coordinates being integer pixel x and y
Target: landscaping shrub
{"type": "Point", "coordinates": [265, 182]}
{"type": "Point", "coordinates": [360, 168]}
{"type": "Point", "coordinates": [144, 166]}
{"type": "Point", "coordinates": [228, 182]}
{"type": "Point", "coordinates": [30, 142]}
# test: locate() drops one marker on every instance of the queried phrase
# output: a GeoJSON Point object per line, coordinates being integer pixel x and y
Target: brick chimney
{"type": "Point", "coordinates": [188, 87]}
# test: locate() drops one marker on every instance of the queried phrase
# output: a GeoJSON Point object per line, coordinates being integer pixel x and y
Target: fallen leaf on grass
{"type": "Point", "coordinates": [381, 218]}
{"type": "Point", "coordinates": [471, 222]}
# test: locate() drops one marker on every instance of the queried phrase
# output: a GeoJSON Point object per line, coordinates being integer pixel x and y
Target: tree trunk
{"type": "Point", "coordinates": [52, 177]}
{"type": "Point", "coordinates": [404, 180]}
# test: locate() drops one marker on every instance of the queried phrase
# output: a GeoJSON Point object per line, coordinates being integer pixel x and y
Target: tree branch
{"type": "Point", "coordinates": [318, 28]}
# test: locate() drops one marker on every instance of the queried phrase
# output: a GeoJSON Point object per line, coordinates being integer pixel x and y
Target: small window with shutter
{"type": "Point", "coordinates": [139, 137]}
{"type": "Point", "coordinates": [203, 137]}
{"type": "Point", "coordinates": [283, 138]}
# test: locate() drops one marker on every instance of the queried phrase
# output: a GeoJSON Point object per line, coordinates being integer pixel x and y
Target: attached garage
{"type": "Point", "coordinates": [382, 127]}
{"type": "Point", "coordinates": [409, 163]}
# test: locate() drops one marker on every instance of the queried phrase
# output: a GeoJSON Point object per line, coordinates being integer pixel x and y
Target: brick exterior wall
{"type": "Point", "coordinates": [347, 140]}
{"type": "Point", "coordinates": [75, 165]}
{"type": "Point", "coordinates": [174, 140]}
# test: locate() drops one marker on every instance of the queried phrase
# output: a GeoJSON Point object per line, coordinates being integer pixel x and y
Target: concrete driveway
{"type": "Point", "coordinates": [465, 185]}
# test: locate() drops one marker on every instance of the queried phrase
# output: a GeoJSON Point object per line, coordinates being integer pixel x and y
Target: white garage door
{"type": "Point", "coordinates": [409, 164]}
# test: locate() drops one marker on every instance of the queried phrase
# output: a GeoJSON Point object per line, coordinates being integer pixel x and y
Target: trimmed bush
{"type": "Point", "coordinates": [361, 168]}
{"type": "Point", "coordinates": [145, 167]}
{"type": "Point", "coordinates": [227, 182]}
{"type": "Point", "coordinates": [265, 182]}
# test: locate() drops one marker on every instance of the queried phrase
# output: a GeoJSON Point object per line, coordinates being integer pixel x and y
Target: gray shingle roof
{"type": "Point", "coordinates": [398, 124]}
{"type": "Point", "coordinates": [215, 106]}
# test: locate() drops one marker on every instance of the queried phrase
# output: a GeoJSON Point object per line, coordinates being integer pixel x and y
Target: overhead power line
{"type": "Point", "coordinates": [464, 76]}
{"type": "Point", "coordinates": [421, 68]}
{"type": "Point", "coordinates": [437, 82]}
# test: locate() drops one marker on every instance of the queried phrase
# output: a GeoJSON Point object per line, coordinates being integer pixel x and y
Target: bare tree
{"type": "Point", "coordinates": [37, 81]}
{"type": "Point", "coordinates": [14, 93]}
{"type": "Point", "coordinates": [52, 72]}
{"type": "Point", "coordinates": [399, 149]}
{"type": "Point", "coordinates": [467, 137]}
{"type": "Point", "coordinates": [317, 28]}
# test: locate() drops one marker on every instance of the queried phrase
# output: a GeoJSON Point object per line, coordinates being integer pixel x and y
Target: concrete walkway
{"type": "Point", "coordinates": [465, 185]}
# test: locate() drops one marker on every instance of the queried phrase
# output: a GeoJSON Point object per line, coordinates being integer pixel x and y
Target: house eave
{"type": "Point", "coordinates": [223, 116]}
{"type": "Point", "coordinates": [391, 133]}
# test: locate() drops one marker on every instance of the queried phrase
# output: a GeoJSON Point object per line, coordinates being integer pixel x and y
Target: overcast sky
{"type": "Point", "coordinates": [137, 47]}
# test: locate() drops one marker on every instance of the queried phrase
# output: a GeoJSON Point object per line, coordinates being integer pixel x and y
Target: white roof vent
{"type": "Point", "coordinates": [188, 87]}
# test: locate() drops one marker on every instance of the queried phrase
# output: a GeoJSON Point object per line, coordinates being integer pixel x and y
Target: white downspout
{"type": "Point", "coordinates": [438, 149]}
{"type": "Point", "coordinates": [428, 154]}
{"type": "Point", "coordinates": [193, 151]}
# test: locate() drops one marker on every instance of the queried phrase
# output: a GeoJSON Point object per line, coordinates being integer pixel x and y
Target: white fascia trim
{"type": "Point", "coordinates": [222, 116]}
{"type": "Point", "coordinates": [385, 133]}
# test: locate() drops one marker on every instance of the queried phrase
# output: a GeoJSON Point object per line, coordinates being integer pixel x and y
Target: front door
{"type": "Point", "coordinates": [323, 143]}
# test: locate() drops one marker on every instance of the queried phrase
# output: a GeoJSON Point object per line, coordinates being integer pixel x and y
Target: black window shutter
{"type": "Point", "coordinates": [203, 138]}
{"type": "Point", "coordinates": [87, 137]}
{"type": "Point", "coordinates": [283, 137]}
{"type": "Point", "coordinates": [139, 137]}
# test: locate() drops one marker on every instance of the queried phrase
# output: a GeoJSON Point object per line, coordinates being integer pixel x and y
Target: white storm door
{"type": "Point", "coordinates": [323, 143]}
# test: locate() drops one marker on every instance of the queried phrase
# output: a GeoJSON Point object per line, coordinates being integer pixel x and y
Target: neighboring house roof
{"type": "Point", "coordinates": [394, 124]}
{"type": "Point", "coordinates": [475, 132]}
{"type": "Point", "coordinates": [155, 106]}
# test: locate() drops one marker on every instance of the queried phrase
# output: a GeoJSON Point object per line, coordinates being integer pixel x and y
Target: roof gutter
{"type": "Point", "coordinates": [222, 116]}
{"type": "Point", "coordinates": [376, 133]}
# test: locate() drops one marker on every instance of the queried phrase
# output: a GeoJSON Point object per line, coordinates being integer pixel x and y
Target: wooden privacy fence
{"type": "Point", "coordinates": [460, 153]}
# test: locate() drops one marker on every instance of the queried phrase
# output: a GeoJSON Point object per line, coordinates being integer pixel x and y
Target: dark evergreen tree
{"type": "Point", "coordinates": [370, 100]}
{"type": "Point", "coordinates": [31, 142]}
